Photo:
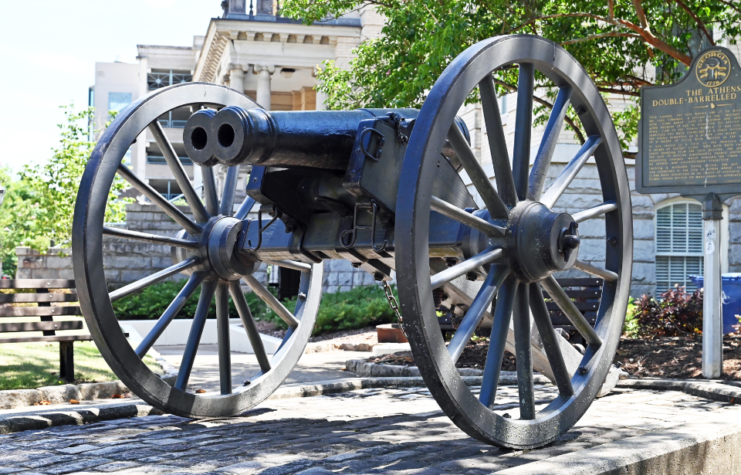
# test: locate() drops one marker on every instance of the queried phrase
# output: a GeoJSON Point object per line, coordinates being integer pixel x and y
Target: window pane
{"type": "Point", "coordinates": [118, 100]}
{"type": "Point", "coordinates": [679, 239]}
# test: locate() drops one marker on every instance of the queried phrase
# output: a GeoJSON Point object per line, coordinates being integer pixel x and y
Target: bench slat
{"type": "Point", "coordinates": [37, 284]}
{"type": "Point", "coordinates": [580, 305]}
{"type": "Point", "coordinates": [579, 282]}
{"type": "Point", "coordinates": [561, 320]}
{"type": "Point", "coordinates": [39, 326]}
{"type": "Point", "coordinates": [53, 311]}
{"type": "Point", "coordinates": [580, 294]}
{"type": "Point", "coordinates": [31, 339]}
{"type": "Point", "coordinates": [29, 298]}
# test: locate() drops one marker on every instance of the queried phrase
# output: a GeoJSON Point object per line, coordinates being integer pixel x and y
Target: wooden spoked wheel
{"type": "Point", "coordinates": [524, 242]}
{"type": "Point", "coordinates": [203, 250]}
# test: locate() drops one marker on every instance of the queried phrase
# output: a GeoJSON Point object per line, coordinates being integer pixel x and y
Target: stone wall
{"type": "Point", "coordinates": [126, 261]}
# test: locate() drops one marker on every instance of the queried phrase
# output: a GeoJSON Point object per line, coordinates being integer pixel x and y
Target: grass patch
{"type": "Point", "coordinates": [33, 365]}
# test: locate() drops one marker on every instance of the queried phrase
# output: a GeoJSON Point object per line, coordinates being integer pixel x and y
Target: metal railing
{"type": "Point", "coordinates": [181, 195]}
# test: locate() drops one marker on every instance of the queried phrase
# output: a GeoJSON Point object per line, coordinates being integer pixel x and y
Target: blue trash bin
{"type": "Point", "coordinates": [730, 295]}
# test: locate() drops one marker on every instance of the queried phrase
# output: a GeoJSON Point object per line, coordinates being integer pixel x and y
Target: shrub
{"type": "Point", "coordinates": [677, 313]}
{"type": "Point", "coordinates": [151, 302]}
{"type": "Point", "coordinates": [357, 308]}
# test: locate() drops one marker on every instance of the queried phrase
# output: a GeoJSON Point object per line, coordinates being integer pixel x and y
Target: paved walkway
{"type": "Point", "coordinates": [311, 367]}
{"type": "Point", "coordinates": [363, 431]}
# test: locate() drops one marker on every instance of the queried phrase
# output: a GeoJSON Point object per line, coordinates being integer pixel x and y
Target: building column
{"type": "Point", "coordinates": [263, 85]}
{"type": "Point", "coordinates": [236, 79]}
{"type": "Point", "coordinates": [321, 100]}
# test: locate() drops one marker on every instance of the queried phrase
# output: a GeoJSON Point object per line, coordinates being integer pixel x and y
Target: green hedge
{"type": "Point", "coordinates": [151, 302]}
{"type": "Point", "coordinates": [357, 308]}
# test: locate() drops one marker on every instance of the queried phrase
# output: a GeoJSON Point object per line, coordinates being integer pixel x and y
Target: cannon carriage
{"type": "Point", "coordinates": [388, 190]}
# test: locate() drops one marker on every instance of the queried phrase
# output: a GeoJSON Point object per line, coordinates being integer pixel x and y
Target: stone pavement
{"type": "Point", "coordinates": [311, 367]}
{"type": "Point", "coordinates": [362, 431]}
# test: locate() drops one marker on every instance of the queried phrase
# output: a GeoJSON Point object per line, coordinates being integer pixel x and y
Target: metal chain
{"type": "Point", "coordinates": [396, 121]}
{"type": "Point", "coordinates": [394, 305]}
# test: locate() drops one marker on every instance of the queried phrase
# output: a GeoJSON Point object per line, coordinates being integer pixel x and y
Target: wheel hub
{"type": "Point", "coordinates": [541, 242]}
{"type": "Point", "coordinates": [217, 249]}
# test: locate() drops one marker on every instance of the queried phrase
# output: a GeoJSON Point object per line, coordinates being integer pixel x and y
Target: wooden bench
{"type": "Point", "coordinates": [586, 294]}
{"type": "Point", "coordinates": [48, 308]}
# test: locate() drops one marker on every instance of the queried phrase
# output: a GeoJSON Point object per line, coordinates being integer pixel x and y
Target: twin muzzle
{"type": "Point", "coordinates": [231, 136]}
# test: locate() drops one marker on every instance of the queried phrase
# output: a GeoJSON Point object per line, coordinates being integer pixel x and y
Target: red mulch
{"type": "Point", "coordinates": [667, 357]}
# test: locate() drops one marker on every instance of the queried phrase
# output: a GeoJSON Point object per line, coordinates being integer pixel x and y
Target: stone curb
{"type": "Point", "coordinates": [363, 368]}
{"type": "Point", "coordinates": [333, 387]}
{"type": "Point", "coordinates": [374, 370]}
{"type": "Point", "coordinates": [15, 398]}
{"type": "Point", "coordinates": [708, 389]}
{"type": "Point", "coordinates": [710, 447]}
{"type": "Point", "coordinates": [88, 415]}
{"type": "Point", "coordinates": [324, 346]}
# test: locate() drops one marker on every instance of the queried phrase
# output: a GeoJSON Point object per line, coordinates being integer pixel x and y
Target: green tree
{"type": "Point", "coordinates": [39, 203]}
{"type": "Point", "coordinates": [623, 45]}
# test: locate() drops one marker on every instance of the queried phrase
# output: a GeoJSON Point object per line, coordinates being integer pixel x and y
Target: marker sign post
{"type": "Point", "coordinates": [690, 143]}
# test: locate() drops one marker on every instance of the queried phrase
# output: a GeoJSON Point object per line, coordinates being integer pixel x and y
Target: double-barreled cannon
{"type": "Point", "coordinates": [388, 190]}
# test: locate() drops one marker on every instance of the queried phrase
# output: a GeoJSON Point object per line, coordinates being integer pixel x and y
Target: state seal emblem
{"type": "Point", "coordinates": [713, 68]}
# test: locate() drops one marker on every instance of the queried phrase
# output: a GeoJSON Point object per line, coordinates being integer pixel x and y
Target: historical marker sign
{"type": "Point", "coordinates": [690, 133]}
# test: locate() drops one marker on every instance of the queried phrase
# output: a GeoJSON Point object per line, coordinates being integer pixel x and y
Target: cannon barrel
{"type": "Point", "coordinates": [316, 139]}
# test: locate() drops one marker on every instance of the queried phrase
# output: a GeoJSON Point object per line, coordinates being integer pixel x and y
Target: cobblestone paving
{"type": "Point", "coordinates": [365, 431]}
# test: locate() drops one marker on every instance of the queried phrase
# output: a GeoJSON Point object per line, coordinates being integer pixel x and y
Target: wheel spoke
{"type": "Point", "coordinates": [497, 142]}
{"type": "Point", "coordinates": [550, 343]}
{"type": "Point", "coordinates": [249, 325]}
{"type": "Point", "coordinates": [194, 337]}
{"type": "Point", "coordinates": [488, 255]}
{"type": "Point", "coordinates": [489, 195]}
{"type": "Point", "coordinates": [222, 334]}
{"type": "Point", "coordinates": [186, 187]}
{"type": "Point", "coordinates": [170, 209]}
{"type": "Point", "coordinates": [209, 191]}
{"type": "Point", "coordinates": [598, 210]}
{"type": "Point", "coordinates": [462, 216]}
{"type": "Point", "coordinates": [568, 174]}
{"type": "Point", "coordinates": [245, 208]}
{"type": "Point", "coordinates": [567, 306]}
{"type": "Point", "coordinates": [272, 302]}
{"type": "Point", "coordinates": [596, 271]}
{"type": "Point", "coordinates": [523, 128]}
{"type": "Point", "coordinates": [154, 278]}
{"type": "Point", "coordinates": [171, 312]}
{"type": "Point", "coordinates": [476, 311]}
{"type": "Point", "coordinates": [548, 144]}
{"type": "Point", "coordinates": [497, 342]}
{"type": "Point", "coordinates": [230, 189]}
{"type": "Point", "coordinates": [146, 237]}
{"type": "Point", "coordinates": [295, 265]}
{"type": "Point", "coordinates": [524, 355]}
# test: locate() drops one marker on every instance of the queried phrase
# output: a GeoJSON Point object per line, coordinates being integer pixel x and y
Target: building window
{"type": "Point", "coordinates": [167, 188]}
{"type": "Point", "coordinates": [160, 160]}
{"type": "Point", "coordinates": [678, 245]}
{"type": "Point", "coordinates": [163, 78]}
{"type": "Point", "coordinates": [118, 100]}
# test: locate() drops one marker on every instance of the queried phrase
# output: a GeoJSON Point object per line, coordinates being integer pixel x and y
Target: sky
{"type": "Point", "coordinates": [49, 50]}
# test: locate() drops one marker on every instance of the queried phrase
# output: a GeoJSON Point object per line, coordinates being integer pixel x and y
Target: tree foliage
{"type": "Point", "coordinates": [623, 45]}
{"type": "Point", "coordinates": [39, 202]}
